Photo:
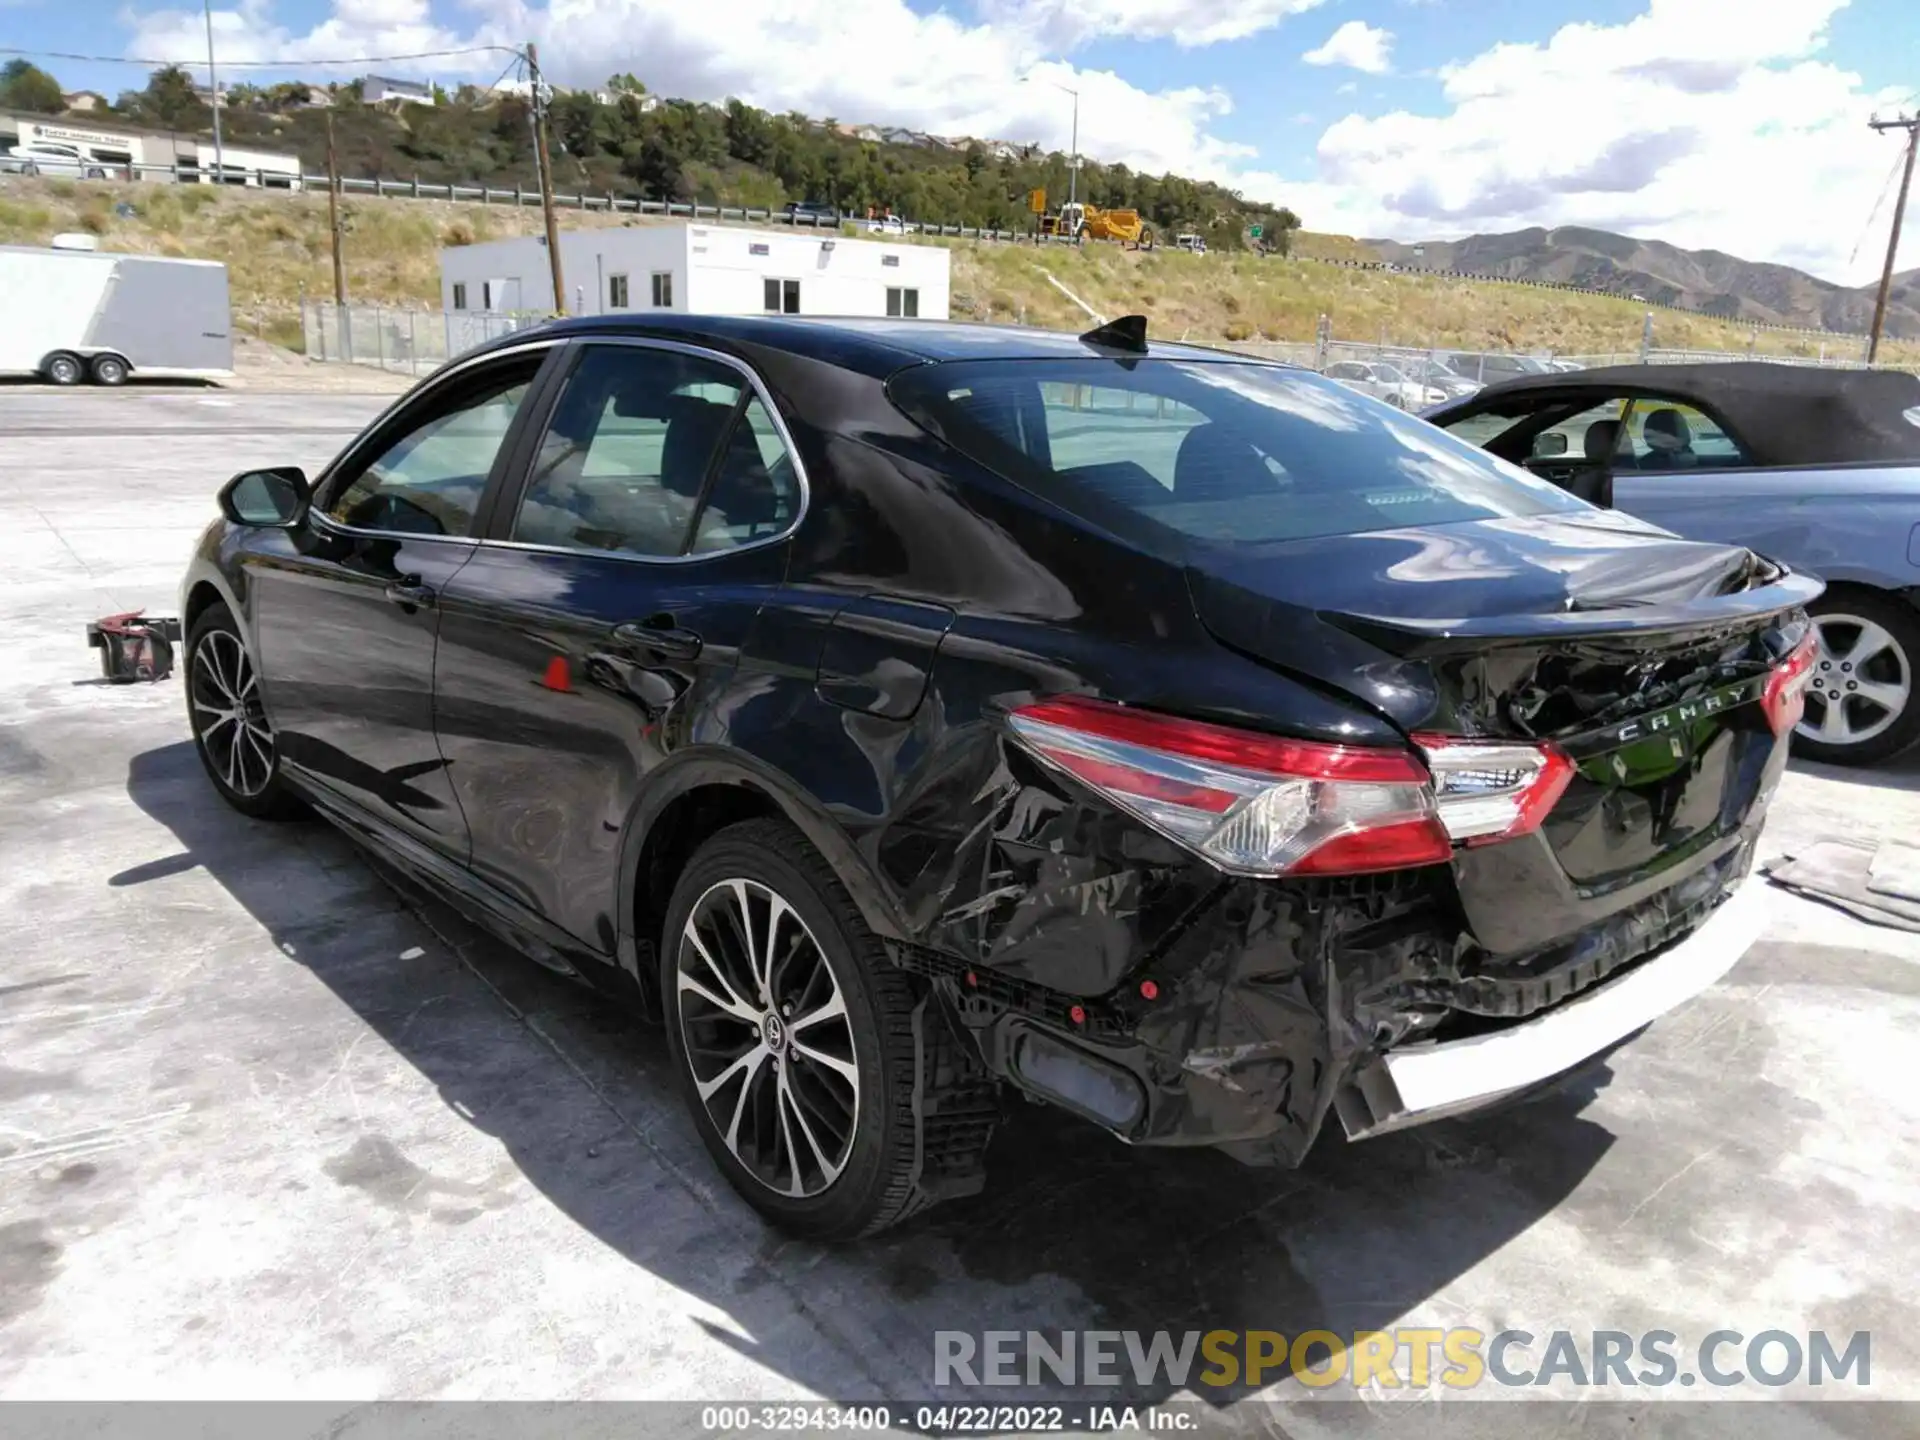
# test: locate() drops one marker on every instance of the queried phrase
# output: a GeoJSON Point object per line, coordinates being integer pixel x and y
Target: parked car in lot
{"type": "Point", "coordinates": [1435, 375]}
{"type": "Point", "coordinates": [1817, 468]}
{"type": "Point", "coordinates": [1385, 382]}
{"type": "Point", "coordinates": [912, 714]}
{"type": "Point", "coordinates": [44, 157]}
{"type": "Point", "coordinates": [1492, 369]}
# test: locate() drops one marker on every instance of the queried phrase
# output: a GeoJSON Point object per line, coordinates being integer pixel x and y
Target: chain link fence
{"type": "Point", "coordinates": [417, 341]}
{"type": "Point", "coordinates": [405, 341]}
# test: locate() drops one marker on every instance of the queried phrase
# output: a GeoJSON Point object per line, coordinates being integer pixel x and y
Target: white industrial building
{"type": "Point", "coordinates": [701, 270]}
{"type": "Point", "coordinates": [146, 154]}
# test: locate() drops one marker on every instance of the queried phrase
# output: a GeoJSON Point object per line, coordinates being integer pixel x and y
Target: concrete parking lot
{"type": "Point", "coordinates": [270, 1128]}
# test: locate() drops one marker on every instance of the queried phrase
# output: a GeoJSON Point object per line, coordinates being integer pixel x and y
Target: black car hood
{"type": "Point", "coordinates": [1364, 613]}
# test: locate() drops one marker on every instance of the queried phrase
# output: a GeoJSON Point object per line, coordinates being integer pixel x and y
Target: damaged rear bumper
{"type": "Point", "coordinates": [1417, 1083]}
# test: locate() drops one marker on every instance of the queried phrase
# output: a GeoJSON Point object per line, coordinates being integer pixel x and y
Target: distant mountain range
{"type": "Point", "coordinates": [1703, 280]}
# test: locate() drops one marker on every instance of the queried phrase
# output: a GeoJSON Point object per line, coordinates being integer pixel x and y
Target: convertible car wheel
{"type": "Point", "coordinates": [229, 721]}
{"type": "Point", "coordinates": [792, 1034]}
{"type": "Point", "coordinates": [1860, 701]}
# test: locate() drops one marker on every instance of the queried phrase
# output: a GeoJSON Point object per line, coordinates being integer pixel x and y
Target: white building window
{"type": "Point", "coordinates": [616, 292]}
{"type": "Point", "coordinates": [782, 297]}
{"type": "Point", "coordinates": [663, 289]}
{"type": "Point", "coordinates": [460, 295]}
{"type": "Point", "coordinates": [486, 295]}
{"type": "Point", "coordinates": [903, 301]}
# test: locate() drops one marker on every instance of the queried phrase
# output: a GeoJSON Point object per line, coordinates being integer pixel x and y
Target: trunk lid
{"type": "Point", "coordinates": [1640, 654]}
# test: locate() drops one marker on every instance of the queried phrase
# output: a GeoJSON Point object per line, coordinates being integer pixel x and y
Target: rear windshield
{"type": "Point", "coordinates": [1217, 452]}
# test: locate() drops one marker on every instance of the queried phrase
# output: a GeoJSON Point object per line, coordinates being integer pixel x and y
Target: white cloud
{"type": "Point", "coordinates": [1686, 123]}
{"type": "Point", "coordinates": [1357, 45]}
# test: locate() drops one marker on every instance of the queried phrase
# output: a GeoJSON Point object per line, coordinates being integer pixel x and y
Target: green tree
{"type": "Point", "coordinates": [25, 86]}
{"type": "Point", "coordinates": [169, 101]}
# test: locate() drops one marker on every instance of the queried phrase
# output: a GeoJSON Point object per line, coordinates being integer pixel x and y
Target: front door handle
{"type": "Point", "coordinates": [660, 636]}
{"type": "Point", "coordinates": [407, 590]}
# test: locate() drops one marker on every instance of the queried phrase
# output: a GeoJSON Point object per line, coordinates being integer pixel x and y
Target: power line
{"type": "Point", "coordinates": [1886, 189]}
{"type": "Point", "coordinates": [288, 64]}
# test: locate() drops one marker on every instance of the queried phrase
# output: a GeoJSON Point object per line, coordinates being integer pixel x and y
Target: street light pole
{"type": "Point", "coordinates": [1073, 161]}
{"type": "Point", "coordinates": [213, 87]}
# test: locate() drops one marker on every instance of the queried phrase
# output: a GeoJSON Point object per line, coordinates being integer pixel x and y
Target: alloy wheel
{"type": "Point", "coordinates": [228, 714]}
{"type": "Point", "coordinates": [768, 1038]}
{"type": "Point", "coordinates": [1862, 681]}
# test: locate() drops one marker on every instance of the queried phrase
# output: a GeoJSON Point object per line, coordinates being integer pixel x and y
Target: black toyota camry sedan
{"type": "Point", "coordinates": [911, 715]}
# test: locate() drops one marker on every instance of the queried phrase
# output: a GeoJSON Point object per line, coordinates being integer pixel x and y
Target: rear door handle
{"type": "Point", "coordinates": [408, 590]}
{"type": "Point", "coordinates": [660, 636]}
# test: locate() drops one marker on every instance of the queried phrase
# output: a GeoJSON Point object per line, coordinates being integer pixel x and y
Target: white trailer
{"type": "Point", "coordinates": [77, 314]}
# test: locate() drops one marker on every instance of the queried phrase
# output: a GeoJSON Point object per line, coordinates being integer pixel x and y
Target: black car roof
{"type": "Point", "coordinates": [872, 347]}
{"type": "Point", "coordinates": [1781, 414]}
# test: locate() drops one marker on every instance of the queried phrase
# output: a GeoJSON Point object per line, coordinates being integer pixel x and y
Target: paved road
{"type": "Point", "coordinates": [269, 1128]}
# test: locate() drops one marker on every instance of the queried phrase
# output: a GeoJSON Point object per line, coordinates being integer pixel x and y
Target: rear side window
{"type": "Point", "coordinates": [655, 453]}
{"type": "Point", "coordinates": [1213, 451]}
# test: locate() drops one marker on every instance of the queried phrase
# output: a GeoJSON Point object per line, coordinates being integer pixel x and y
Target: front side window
{"type": "Point", "coordinates": [1218, 452]}
{"type": "Point", "coordinates": [654, 453]}
{"type": "Point", "coordinates": [429, 480]}
{"type": "Point", "coordinates": [782, 297]}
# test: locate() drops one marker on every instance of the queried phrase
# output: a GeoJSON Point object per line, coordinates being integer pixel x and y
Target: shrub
{"type": "Point", "coordinates": [1239, 330]}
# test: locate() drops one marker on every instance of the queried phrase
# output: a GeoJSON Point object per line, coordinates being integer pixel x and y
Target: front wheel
{"type": "Point", "coordinates": [793, 1035]}
{"type": "Point", "coordinates": [65, 369]}
{"type": "Point", "coordinates": [1860, 702]}
{"type": "Point", "coordinates": [29, 169]}
{"type": "Point", "coordinates": [226, 713]}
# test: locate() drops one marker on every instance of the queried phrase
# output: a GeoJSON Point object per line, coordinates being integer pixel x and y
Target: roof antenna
{"type": "Point", "coordinates": [1128, 333]}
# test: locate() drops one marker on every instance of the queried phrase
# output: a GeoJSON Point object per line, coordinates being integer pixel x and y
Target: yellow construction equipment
{"type": "Point", "coordinates": [1089, 222]}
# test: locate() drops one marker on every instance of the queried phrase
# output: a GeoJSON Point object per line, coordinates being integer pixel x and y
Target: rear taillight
{"type": "Point", "coordinates": [1251, 804]}
{"type": "Point", "coordinates": [1488, 790]}
{"type": "Point", "coordinates": [1785, 697]}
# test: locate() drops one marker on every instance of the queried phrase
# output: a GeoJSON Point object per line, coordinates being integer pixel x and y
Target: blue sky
{"type": "Point", "coordinates": [1734, 124]}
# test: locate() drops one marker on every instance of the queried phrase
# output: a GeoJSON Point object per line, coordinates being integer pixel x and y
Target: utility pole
{"type": "Point", "coordinates": [213, 86]}
{"type": "Point", "coordinates": [333, 220]}
{"type": "Point", "coordinates": [1910, 124]}
{"type": "Point", "coordinates": [538, 90]}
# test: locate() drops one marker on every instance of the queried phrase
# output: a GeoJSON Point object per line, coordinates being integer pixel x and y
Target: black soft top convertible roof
{"type": "Point", "coordinates": [1780, 414]}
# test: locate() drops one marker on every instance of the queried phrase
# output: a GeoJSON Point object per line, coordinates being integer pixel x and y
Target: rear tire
{"type": "Point", "coordinates": [231, 731]}
{"type": "Point", "coordinates": [109, 370]}
{"type": "Point", "coordinates": [64, 369]}
{"type": "Point", "coordinates": [29, 169]}
{"type": "Point", "coordinates": [1860, 701]}
{"type": "Point", "coordinates": [812, 1123]}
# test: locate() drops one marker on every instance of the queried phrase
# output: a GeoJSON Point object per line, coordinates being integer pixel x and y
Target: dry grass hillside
{"type": "Point", "coordinates": [275, 248]}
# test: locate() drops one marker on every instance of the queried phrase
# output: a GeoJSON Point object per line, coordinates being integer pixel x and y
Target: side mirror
{"type": "Point", "coordinates": [1549, 443]}
{"type": "Point", "coordinates": [267, 499]}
